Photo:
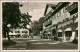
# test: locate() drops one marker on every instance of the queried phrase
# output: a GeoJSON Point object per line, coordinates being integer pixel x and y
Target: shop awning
{"type": "Point", "coordinates": [49, 33]}
{"type": "Point", "coordinates": [68, 29]}
{"type": "Point", "coordinates": [76, 20]}
{"type": "Point", "coordinates": [76, 28]}
{"type": "Point", "coordinates": [59, 30]}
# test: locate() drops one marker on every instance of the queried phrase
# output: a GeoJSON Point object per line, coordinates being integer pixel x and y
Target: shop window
{"type": "Point", "coordinates": [68, 33]}
{"type": "Point", "coordinates": [59, 34]}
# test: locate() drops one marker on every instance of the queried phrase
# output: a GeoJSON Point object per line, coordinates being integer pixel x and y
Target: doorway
{"type": "Point", "coordinates": [53, 32]}
{"type": "Point", "coordinates": [68, 34]}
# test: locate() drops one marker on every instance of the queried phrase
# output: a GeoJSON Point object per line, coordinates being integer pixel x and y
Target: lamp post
{"type": "Point", "coordinates": [8, 26]}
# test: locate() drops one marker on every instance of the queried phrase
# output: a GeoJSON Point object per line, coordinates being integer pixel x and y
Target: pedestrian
{"type": "Point", "coordinates": [41, 35]}
{"type": "Point", "coordinates": [31, 35]}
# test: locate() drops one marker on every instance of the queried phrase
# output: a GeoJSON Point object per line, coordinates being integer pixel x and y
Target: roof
{"type": "Point", "coordinates": [59, 6]}
{"type": "Point", "coordinates": [49, 5]}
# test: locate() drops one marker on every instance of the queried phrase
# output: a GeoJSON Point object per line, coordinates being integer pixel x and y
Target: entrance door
{"type": "Point", "coordinates": [59, 34]}
{"type": "Point", "coordinates": [68, 34]}
{"type": "Point", "coordinates": [53, 32]}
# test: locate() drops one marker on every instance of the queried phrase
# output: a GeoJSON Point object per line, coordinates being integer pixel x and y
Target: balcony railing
{"type": "Point", "coordinates": [73, 6]}
{"type": "Point", "coordinates": [47, 23]}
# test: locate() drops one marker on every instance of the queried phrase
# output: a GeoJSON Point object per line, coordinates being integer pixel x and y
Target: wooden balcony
{"type": "Point", "coordinates": [47, 23]}
{"type": "Point", "coordinates": [72, 7]}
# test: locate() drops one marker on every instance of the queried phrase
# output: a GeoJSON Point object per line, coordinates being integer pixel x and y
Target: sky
{"type": "Point", "coordinates": [35, 9]}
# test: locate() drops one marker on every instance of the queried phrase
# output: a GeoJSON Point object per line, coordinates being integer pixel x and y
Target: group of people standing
{"type": "Point", "coordinates": [45, 36]}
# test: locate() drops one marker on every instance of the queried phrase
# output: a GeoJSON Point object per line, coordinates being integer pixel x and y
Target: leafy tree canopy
{"type": "Point", "coordinates": [11, 15]}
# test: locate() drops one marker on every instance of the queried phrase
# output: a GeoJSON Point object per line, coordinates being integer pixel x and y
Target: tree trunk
{"type": "Point", "coordinates": [8, 36]}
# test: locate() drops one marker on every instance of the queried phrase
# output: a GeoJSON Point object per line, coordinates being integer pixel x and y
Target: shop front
{"type": "Point", "coordinates": [59, 35]}
{"type": "Point", "coordinates": [68, 34]}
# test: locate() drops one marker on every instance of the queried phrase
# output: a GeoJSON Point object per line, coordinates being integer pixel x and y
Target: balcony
{"type": "Point", "coordinates": [72, 7]}
{"type": "Point", "coordinates": [47, 23]}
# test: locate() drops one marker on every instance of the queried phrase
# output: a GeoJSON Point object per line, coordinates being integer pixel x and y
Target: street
{"type": "Point", "coordinates": [40, 44]}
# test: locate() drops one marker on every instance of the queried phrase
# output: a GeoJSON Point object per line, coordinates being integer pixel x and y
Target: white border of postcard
{"type": "Point", "coordinates": [38, 1]}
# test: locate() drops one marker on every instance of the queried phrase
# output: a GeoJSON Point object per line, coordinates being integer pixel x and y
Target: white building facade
{"type": "Point", "coordinates": [19, 33]}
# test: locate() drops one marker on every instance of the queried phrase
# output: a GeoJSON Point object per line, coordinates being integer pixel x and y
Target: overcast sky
{"type": "Point", "coordinates": [35, 9]}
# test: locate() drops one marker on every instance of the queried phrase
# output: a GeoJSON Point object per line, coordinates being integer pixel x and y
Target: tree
{"type": "Point", "coordinates": [10, 15]}
{"type": "Point", "coordinates": [41, 20]}
{"type": "Point", "coordinates": [35, 27]}
{"type": "Point", "coordinates": [25, 19]}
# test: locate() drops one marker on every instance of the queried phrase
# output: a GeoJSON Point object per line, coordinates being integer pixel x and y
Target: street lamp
{"type": "Point", "coordinates": [9, 25]}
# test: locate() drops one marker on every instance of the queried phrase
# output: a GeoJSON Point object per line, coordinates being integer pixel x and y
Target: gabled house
{"type": "Point", "coordinates": [61, 21]}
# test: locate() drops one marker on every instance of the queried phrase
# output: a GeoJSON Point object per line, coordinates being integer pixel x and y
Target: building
{"type": "Point", "coordinates": [19, 33]}
{"type": "Point", "coordinates": [61, 21]}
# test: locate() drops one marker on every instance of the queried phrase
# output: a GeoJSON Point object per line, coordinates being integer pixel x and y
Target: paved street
{"type": "Point", "coordinates": [33, 44]}
{"type": "Point", "coordinates": [53, 46]}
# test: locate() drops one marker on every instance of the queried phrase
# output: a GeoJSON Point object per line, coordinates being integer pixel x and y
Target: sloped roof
{"type": "Point", "coordinates": [49, 5]}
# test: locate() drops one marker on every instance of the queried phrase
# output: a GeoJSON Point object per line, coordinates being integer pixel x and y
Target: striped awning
{"type": "Point", "coordinates": [68, 29]}
{"type": "Point", "coordinates": [59, 30]}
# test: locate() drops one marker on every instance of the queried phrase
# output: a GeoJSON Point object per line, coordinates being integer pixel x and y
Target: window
{"type": "Point", "coordinates": [68, 33]}
{"type": "Point", "coordinates": [18, 31]}
{"type": "Point", "coordinates": [22, 31]}
{"type": "Point", "coordinates": [55, 15]}
{"type": "Point", "coordinates": [15, 31]}
{"type": "Point", "coordinates": [26, 32]}
{"type": "Point", "coordinates": [59, 13]}
{"type": "Point", "coordinates": [11, 31]}
{"type": "Point", "coordinates": [70, 3]}
{"type": "Point", "coordinates": [51, 18]}
{"type": "Point", "coordinates": [65, 9]}
{"type": "Point", "coordinates": [76, 33]}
